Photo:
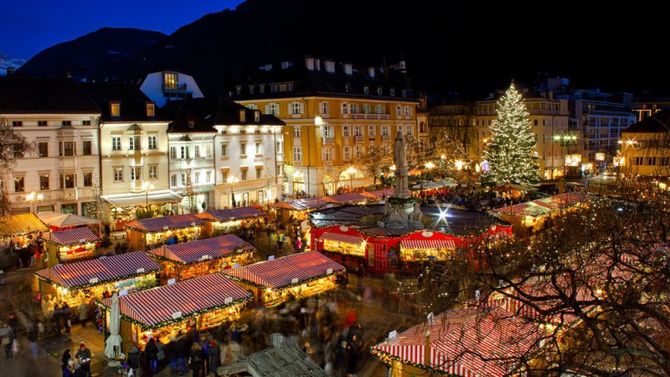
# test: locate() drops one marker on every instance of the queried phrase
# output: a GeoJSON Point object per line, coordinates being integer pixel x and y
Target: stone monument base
{"type": "Point", "coordinates": [402, 213]}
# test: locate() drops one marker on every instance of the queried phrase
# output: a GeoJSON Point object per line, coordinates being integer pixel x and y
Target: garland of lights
{"type": "Point", "coordinates": [182, 318]}
{"type": "Point", "coordinates": [290, 285]}
{"type": "Point", "coordinates": [236, 252]}
{"type": "Point", "coordinates": [387, 358]}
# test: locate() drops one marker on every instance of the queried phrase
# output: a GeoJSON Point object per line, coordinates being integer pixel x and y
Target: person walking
{"type": "Point", "coordinates": [152, 354]}
{"type": "Point", "coordinates": [134, 360]}
{"type": "Point", "coordinates": [6, 339]}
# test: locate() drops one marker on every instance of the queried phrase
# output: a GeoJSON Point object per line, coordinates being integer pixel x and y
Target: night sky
{"type": "Point", "coordinates": [29, 26]}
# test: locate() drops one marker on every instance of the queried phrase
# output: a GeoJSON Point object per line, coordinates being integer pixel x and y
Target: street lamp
{"type": "Point", "coordinates": [231, 181]}
{"type": "Point", "coordinates": [351, 171]}
{"type": "Point", "coordinates": [146, 186]}
{"type": "Point", "coordinates": [34, 197]}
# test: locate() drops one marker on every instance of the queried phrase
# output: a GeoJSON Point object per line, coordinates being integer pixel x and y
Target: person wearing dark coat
{"type": "Point", "coordinates": [66, 357]}
{"type": "Point", "coordinates": [171, 354]}
{"type": "Point", "coordinates": [196, 360]}
{"type": "Point", "coordinates": [152, 354]}
{"type": "Point", "coordinates": [182, 348]}
{"type": "Point", "coordinates": [134, 360]}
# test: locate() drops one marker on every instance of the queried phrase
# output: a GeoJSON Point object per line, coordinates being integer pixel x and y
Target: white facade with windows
{"type": "Point", "coordinates": [59, 173]}
{"type": "Point", "coordinates": [191, 168]}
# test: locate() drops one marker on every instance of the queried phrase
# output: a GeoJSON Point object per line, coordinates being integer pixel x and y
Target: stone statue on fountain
{"type": "Point", "coordinates": [401, 211]}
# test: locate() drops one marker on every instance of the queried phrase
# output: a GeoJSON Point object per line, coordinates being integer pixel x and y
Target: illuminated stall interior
{"type": "Point", "coordinates": [232, 219]}
{"type": "Point", "coordinates": [423, 250]}
{"type": "Point", "coordinates": [69, 245]}
{"type": "Point", "coordinates": [196, 258]}
{"type": "Point", "coordinates": [18, 228]}
{"type": "Point", "coordinates": [202, 303]}
{"type": "Point", "coordinates": [343, 244]}
{"type": "Point", "coordinates": [533, 214]}
{"type": "Point", "coordinates": [295, 276]}
{"type": "Point", "coordinates": [82, 281]}
{"type": "Point", "coordinates": [150, 233]}
{"type": "Point", "coordinates": [299, 209]}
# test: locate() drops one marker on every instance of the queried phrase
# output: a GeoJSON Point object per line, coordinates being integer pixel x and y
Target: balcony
{"type": "Point", "coordinates": [372, 116]}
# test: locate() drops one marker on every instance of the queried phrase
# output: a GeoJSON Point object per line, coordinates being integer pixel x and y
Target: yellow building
{"type": "Point", "coordinates": [333, 117]}
{"type": "Point", "coordinates": [645, 148]}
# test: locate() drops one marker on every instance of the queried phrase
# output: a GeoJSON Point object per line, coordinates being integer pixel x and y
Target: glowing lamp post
{"type": "Point", "coordinates": [232, 180]}
{"type": "Point", "coordinates": [34, 197]}
{"type": "Point", "coordinates": [146, 186]}
{"type": "Point", "coordinates": [351, 171]}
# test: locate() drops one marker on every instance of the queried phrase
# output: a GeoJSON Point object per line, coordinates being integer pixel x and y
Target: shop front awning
{"type": "Point", "coordinates": [344, 238]}
{"type": "Point", "coordinates": [203, 250]}
{"type": "Point", "coordinates": [135, 199]}
{"type": "Point", "coordinates": [427, 244]}
{"type": "Point", "coordinates": [232, 214]}
{"type": "Point", "coordinates": [157, 224]}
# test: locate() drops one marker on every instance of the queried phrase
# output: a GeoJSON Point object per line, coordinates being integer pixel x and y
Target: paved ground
{"type": "Point", "coordinates": [376, 313]}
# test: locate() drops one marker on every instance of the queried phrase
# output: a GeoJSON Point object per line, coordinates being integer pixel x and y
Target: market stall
{"type": "Point", "coordinates": [533, 215]}
{"type": "Point", "coordinates": [123, 207]}
{"type": "Point", "coordinates": [295, 276]}
{"type": "Point", "coordinates": [343, 244]}
{"type": "Point", "coordinates": [415, 250]}
{"type": "Point", "coordinates": [70, 245]}
{"type": "Point", "coordinates": [200, 303]}
{"type": "Point", "coordinates": [92, 279]}
{"type": "Point", "coordinates": [298, 209]}
{"type": "Point", "coordinates": [150, 233]}
{"type": "Point", "coordinates": [19, 229]}
{"type": "Point", "coordinates": [232, 219]}
{"type": "Point", "coordinates": [61, 221]}
{"type": "Point", "coordinates": [196, 258]}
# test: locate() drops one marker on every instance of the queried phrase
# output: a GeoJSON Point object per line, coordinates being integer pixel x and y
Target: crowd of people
{"type": "Point", "coordinates": [29, 250]}
{"type": "Point", "coordinates": [471, 198]}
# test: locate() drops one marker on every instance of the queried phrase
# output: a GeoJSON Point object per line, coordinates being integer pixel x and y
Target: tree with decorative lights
{"type": "Point", "coordinates": [512, 153]}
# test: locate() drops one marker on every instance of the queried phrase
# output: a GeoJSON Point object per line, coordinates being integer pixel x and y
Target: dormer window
{"type": "Point", "coordinates": [151, 110]}
{"type": "Point", "coordinates": [404, 93]}
{"type": "Point", "coordinates": [251, 89]}
{"type": "Point", "coordinates": [257, 116]}
{"type": "Point", "coordinates": [366, 89]}
{"type": "Point", "coordinates": [191, 124]}
{"type": "Point", "coordinates": [392, 92]}
{"type": "Point", "coordinates": [243, 116]}
{"type": "Point", "coordinates": [115, 109]}
{"type": "Point", "coordinates": [379, 90]}
{"type": "Point", "coordinates": [170, 81]}
{"type": "Point", "coordinates": [238, 90]}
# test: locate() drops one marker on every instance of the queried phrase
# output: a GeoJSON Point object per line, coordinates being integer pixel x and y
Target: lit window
{"type": "Point", "coordinates": [88, 179]}
{"type": "Point", "coordinates": [224, 150]}
{"type": "Point", "coordinates": [153, 171]}
{"type": "Point", "coordinates": [243, 174]}
{"type": "Point", "coordinates": [243, 116]}
{"type": "Point", "coordinates": [259, 172]}
{"type": "Point", "coordinates": [243, 149]}
{"type": "Point", "coordinates": [151, 110]}
{"type": "Point", "coordinates": [297, 153]}
{"type": "Point", "coordinates": [296, 132]}
{"type": "Point", "coordinates": [44, 181]}
{"type": "Point", "coordinates": [116, 143]}
{"type": "Point", "coordinates": [272, 108]}
{"type": "Point", "coordinates": [19, 184]}
{"type": "Point", "coordinates": [118, 174]}
{"type": "Point", "coordinates": [295, 108]}
{"type": "Point", "coordinates": [259, 148]}
{"type": "Point", "coordinates": [87, 148]}
{"type": "Point", "coordinates": [43, 149]}
{"type": "Point", "coordinates": [135, 173]}
{"type": "Point", "coordinates": [170, 80]}
{"type": "Point", "coordinates": [67, 181]}
{"type": "Point", "coordinates": [115, 109]}
{"type": "Point", "coordinates": [324, 107]}
{"type": "Point", "coordinates": [152, 142]}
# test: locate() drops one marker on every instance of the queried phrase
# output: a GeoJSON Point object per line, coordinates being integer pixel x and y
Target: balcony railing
{"type": "Point", "coordinates": [371, 116]}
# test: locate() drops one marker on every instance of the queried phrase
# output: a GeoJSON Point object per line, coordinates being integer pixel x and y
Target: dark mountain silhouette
{"type": "Point", "coordinates": [472, 47]}
{"type": "Point", "coordinates": [107, 52]}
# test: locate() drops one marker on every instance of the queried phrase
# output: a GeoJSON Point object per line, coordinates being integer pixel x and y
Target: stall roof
{"type": "Point", "coordinates": [232, 214]}
{"type": "Point", "coordinates": [157, 306]}
{"type": "Point", "coordinates": [63, 220]}
{"type": "Point", "coordinates": [103, 269]}
{"type": "Point", "coordinates": [154, 197]}
{"type": "Point", "coordinates": [302, 204]}
{"type": "Point", "coordinates": [284, 271]}
{"type": "Point", "coordinates": [72, 236]}
{"type": "Point", "coordinates": [285, 361]}
{"type": "Point", "coordinates": [380, 194]}
{"type": "Point", "coordinates": [21, 224]}
{"type": "Point", "coordinates": [348, 198]}
{"type": "Point", "coordinates": [466, 341]}
{"type": "Point", "coordinates": [199, 250]}
{"type": "Point", "coordinates": [428, 244]}
{"type": "Point", "coordinates": [561, 201]}
{"type": "Point", "coordinates": [345, 238]}
{"type": "Point", "coordinates": [158, 224]}
{"type": "Point", "coordinates": [524, 209]}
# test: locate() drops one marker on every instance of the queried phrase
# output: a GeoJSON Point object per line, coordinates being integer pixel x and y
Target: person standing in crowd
{"type": "Point", "coordinates": [171, 354]}
{"type": "Point", "coordinates": [151, 351]}
{"type": "Point", "coordinates": [69, 369]}
{"type": "Point", "coordinates": [134, 360]}
{"type": "Point", "coordinates": [6, 338]}
{"type": "Point", "coordinates": [183, 346]}
{"type": "Point", "coordinates": [65, 358]}
{"type": "Point", "coordinates": [195, 360]}
{"type": "Point", "coordinates": [83, 355]}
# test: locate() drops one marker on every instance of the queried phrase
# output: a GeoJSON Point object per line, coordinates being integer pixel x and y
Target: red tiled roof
{"type": "Point", "coordinates": [232, 214]}
{"type": "Point", "coordinates": [467, 342]}
{"type": "Point", "coordinates": [103, 269]}
{"type": "Point", "coordinates": [199, 250]}
{"type": "Point", "coordinates": [72, 236]}
{"type": "Point", "coordinates": [284, 271]}
{"type": "Point", "coordinates": [155, 306]}
{"type": "Point", "coordinates": [157, 224]}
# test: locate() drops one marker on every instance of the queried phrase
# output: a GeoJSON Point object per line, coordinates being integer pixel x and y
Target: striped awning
{"type": "Point", "coordinates": [96, 271]}
{"type": "Point", "coordinates": [286, 271]}
{"type": "Point", "coordinates": [427, 244]}
{"type": "Point", "coordinates": [21, 224]}
{"type": "Point", "coordinates": [232, 214]}
{"type": "Point", "coordinates": [201, 250]}
{"type": "Point", "coordinates": [158, 224]}
{"type": "Point", "coordinates": [348, 198]}
{"type": "Point", "coordinates": [135, 199]}
{"type": "Point", "coordinates": [72, 236]}
{"type": "Point", "coordinates": [344, 238]}
{"type": "Point", "coordinates": [156, 306]}
{"type": "Point", "coordinates": [466, 342]}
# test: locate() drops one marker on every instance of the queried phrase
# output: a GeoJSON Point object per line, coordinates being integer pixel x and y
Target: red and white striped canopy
{"type": "Point", "coordinates": [72, 236]}
{"type": "Point", "coordinates": [466, 342]}
{"type": "Point", "coordinates": [232, 214]}
{"type": "Point", "coordinates": [158, 224]}
{"type": "Point", "coordinates": [344, 238]}
{"type": "Point", "coordinates": [282, 272]}
{"type": "Point", "coordinates": [199, 250]}
{"type": "Point", "coordinates": [155, 306]}
{"type": "Point", "coordinates": [104, 269]}
{"type": "Point", "coordinates": [427, 244]}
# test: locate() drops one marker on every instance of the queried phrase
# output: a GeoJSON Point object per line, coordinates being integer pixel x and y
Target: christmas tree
{"type": "Point", "coordinates": [511, 153]}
